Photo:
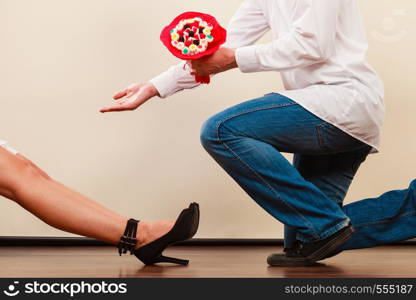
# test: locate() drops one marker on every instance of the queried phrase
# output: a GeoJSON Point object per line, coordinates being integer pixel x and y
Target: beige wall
{"type": "Point", "coordinates": [61, 60]}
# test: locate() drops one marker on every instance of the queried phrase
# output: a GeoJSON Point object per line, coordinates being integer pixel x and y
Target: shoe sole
{"type": "Point", "coordinates": [301, 262]}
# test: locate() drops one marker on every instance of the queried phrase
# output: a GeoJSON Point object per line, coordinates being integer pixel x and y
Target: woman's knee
{"type": "Point", "coordinates": [33, 169]}
{"type": "Point", "coordinates": [16, 174]}
{"type": "Point", "coordinates": [28, 169]}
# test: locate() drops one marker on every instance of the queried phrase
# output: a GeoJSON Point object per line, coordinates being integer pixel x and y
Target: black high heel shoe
{"type": "Point", "coordinates": [185, 228]}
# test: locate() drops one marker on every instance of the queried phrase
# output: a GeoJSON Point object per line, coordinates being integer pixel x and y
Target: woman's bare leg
{"type": "Point", "coordinates": [64, 208]}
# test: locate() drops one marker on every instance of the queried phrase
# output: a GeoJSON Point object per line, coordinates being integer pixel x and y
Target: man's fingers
{"type": "Point", "coordinates": [120, 95]}
{"type": "Point", "coordinates": [119, 106]}
{"type": "Point", "coordinates": [107, 109]}
{"type": "Point", "coordinates": [130, 93]}
{"type": "Point", "coordinates": [113, 108]}
{"type": "Point", "coordinates": [123, 105]}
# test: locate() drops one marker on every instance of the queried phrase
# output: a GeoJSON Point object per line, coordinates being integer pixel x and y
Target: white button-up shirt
{"type": "Point", "coordinates": [319, 47]}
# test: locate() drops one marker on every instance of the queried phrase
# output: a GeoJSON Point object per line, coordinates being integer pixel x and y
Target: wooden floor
{"type": "Point", "coordinates": [206, 261]}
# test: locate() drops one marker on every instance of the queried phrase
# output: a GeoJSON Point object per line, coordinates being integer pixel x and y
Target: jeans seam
{"type": "Point", "coordinates": [255, 110]}
{"type": "Point", "coordinates": [404, 215]}
{"type": "Point", "coordinates": [309, 224]}
{"type": "Point", "coordinates": [320, 138]}
{"type": "Point", "coordinates": [221, 123]}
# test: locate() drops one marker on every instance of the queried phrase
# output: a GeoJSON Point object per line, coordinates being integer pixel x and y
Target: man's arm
{"type": "Point", "coordinates": [310, 41]}
{"type": "Point", "coordinates": [247, 26]}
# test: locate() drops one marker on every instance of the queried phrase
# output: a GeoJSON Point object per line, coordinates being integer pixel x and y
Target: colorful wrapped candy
{"type": "Point", "coordinates": [193, 35]}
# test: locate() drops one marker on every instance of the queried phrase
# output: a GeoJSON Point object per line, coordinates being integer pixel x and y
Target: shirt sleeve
{"type": "Point", "coordinates": [246, 26]}
{"type": "Point", "coordinates": [311, 39]}
{"type": "Point", "coordinates": [175, 79]}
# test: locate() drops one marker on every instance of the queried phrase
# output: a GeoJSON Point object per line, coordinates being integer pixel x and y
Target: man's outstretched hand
{"type": "Point", "coordinates": [132, 97]}
{"type": "Point", "coordinates": [138, 93]}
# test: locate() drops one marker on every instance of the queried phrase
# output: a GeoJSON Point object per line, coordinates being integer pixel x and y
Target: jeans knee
{"type": "Point", "coordinates": [208, 133]}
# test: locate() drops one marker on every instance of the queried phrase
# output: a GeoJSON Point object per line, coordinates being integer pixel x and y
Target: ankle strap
{"type": "Point", "coordinates": [128, 241]}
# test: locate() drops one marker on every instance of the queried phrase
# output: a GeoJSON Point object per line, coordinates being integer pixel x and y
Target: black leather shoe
{"type": "Point", "coordinates": [289, 258]}
{"type": "Point", "coordinates": [308, 254]}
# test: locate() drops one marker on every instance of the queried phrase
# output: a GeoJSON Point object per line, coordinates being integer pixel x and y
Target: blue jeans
{"type": "Point", "coordinates": [247, 140]}
{"type": "Point", "coordinates": [386, 219]}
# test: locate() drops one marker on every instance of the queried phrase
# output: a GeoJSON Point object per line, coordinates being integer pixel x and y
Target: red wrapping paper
{"type": "Point", "coordinates": [193, 35]}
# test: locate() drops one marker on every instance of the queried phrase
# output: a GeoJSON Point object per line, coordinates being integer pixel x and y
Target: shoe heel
{"type": "Point", "coordinates": [172, 260]}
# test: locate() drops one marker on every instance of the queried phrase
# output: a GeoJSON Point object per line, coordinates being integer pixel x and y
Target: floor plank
{"type": "Point", "coordinates": [206, 262]}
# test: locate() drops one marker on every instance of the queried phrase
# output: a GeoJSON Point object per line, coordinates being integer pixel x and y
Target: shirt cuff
{"type": "Point", "coordinates": [164, 84]}
{"type": "Point", "coordinates": [246, 59]}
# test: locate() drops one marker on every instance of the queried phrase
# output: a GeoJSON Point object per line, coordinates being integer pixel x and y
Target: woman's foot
{"type": "Point", "coordinates": [161, 235]}
{"type": "Point", "coordinates": [148, 232]}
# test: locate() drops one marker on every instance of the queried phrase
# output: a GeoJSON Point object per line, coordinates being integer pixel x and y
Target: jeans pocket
{"type": "Point", "coordinates": [334, 140]}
